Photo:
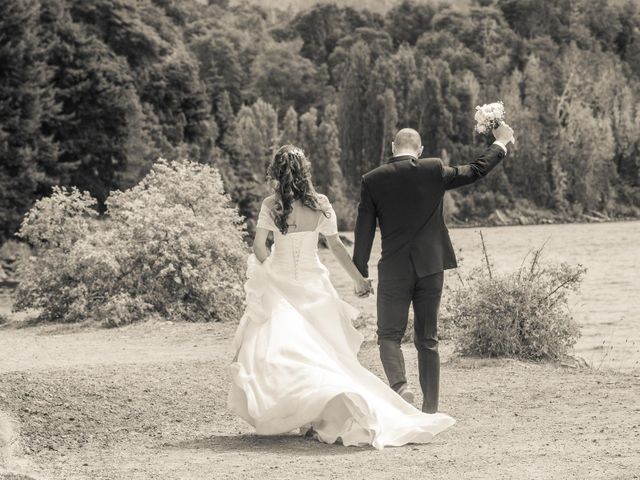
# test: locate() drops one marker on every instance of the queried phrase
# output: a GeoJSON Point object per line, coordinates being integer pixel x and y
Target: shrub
{"type": "Point", "coordinates": [171, 245]}
{"type": "Point", "coordinates": [523, 314]}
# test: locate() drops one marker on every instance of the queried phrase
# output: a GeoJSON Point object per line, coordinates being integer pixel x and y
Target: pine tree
{"type": "Point", "coordinates": [407, 84]}
{"type": "Point", "coordinates": [225, 119]}
{"type": "Point", "coordinates": [328, 159]}
{"type": "Point", "coordinates": [389, 122]}
{"type": "Point", "coordinates": [381, 114]}
{"type": "Point", "coordinates": [435, 122]}
{"type": "Point", "coordinates": [164, 74]}
{"type": "Point", "coordinates": [289, 127]}
{"type": "Point", "coordinates": [352, 112]}
{"type": "Point", "coordinates": [28, 153]}
{"type": "Point", "coordinates": [102, 116]}
{"type": "Point", "coordinates": [308, 133]}
{"type": "Point", "coordinates": [253, 139]}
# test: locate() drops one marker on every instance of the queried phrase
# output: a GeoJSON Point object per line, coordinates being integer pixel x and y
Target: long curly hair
{"type": "Point", "coordinates": [290, 174]}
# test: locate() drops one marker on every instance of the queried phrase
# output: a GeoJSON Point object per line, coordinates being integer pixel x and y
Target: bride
{"type": "Point", "coordinates": [295, 363]}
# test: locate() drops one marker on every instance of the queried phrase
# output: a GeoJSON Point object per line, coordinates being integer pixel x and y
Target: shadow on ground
{"type": "Point", "coordinates": [277, 444]}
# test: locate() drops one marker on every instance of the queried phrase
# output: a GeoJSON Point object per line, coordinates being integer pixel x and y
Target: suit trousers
{"type": "Point", "coordinates": [395, 295]}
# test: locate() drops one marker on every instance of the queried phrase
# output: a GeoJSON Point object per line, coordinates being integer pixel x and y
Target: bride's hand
{"type": "Point", "coordinates": [363, 287]}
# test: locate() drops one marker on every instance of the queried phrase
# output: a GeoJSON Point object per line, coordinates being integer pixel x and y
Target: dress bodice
{"type": "Point", "coordinates": [295, 254]}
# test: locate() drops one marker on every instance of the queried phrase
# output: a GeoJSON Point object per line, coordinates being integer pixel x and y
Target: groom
{"type": "Point", "coordinates": [405, 195]}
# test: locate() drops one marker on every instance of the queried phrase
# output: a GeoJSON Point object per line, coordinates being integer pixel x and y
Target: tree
{"type": "Point", "coordinates": [28, 153]}
{"type": "Point", "coordinates": [282, 77]}
{"type": "Point", "coordinates": [93, 92]}
{"type": "Point", "coordinates": [625, 123]}
{"type": "Point", "coordinates": [408, 20]}
{"type": "Point", "coordinates": [308, 133]}
{"type": "Point", "coordinates": [389, 122]}
{"type": "Point", "coordinates": [585, 152]}
{"type": "Point", "coordinates": [531, 18]}
{"type": "Point", "coordinates": [378, 42]}
{"type": "Point", "coordinates": [435, 120]}
{"type": "Point", "coordinates": [328, 160]}
{"type": "Point", "coordinates": [289, 127]}
{"type": "Point", "coordinates": [407, 85]}
{"type": "Point", "coordinates": [351, 112]}
{"type": "Point", "coordinates": [102, 115]}
{"type": "Point", "coordinates": [322, 26]}
{"type": "Point", "coordinates": [225, 120]}
{"type": "Point", "coordinates": [220, 67]}
{"type": "Point", "coordinates": [528, 168]}
{"type": "Point", "coordinates": [254, 137]}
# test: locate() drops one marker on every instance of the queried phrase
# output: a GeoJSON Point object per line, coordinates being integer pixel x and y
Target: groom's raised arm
{"type": "Point", "coordinates": [454, 177]}
{"type": "Point", "coordinates": [365, 230]}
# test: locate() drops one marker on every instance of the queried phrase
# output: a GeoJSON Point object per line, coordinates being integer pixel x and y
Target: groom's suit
{"type": "Point", "coordinates": [405, 196]}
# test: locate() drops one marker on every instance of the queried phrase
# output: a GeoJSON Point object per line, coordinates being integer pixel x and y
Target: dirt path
{"type": "Point", "coordinates": [148, 401]}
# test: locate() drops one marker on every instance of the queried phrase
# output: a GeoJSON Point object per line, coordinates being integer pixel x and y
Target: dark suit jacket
{"type": "Point", "coordinates": [405, 196]}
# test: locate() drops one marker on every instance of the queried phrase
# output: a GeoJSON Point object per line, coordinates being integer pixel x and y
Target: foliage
{"type": "Point", "coordinates": [27, 108]}
{"type": "Point", "coordinates": [94, 91]}
{"type": "Point", "coordinates": [171, 245]}
{"type": "Point", "coordinates": [523, 314]}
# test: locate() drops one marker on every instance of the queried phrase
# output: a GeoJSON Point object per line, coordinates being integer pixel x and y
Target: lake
{"type": "Point", "coordinates": [607, 306]}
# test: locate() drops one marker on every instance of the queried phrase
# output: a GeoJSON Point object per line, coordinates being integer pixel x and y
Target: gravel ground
{"type": "Point", "coordinates": [148, 401]}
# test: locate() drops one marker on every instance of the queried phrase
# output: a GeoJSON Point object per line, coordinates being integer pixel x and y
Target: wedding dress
{"type": "Point", "coordinates": [296, 351]}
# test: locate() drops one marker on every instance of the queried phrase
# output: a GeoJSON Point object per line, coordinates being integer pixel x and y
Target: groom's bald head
{"type": "Point", "coordinates": [407, 142]}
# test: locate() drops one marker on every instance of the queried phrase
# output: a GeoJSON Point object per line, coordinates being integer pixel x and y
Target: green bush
{"type": "Point", "coordinates": [523, 314]}
{"type": "Point", "coordinates": [172, 245]}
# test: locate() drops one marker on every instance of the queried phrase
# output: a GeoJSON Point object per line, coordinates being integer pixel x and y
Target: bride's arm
{"type": "Point", "coordinates": [260, 244]}
{"type": "Point", "coordinates": [342, 255]}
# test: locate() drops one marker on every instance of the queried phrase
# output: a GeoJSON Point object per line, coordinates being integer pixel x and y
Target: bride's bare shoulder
{"type": "Point", "coordinates": [323, 200]}
{"type": "Point", "coordinates": [270, 201]}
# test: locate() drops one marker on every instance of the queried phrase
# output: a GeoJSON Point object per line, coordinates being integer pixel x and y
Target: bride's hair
{"type": "Point", "coordinates": [290, 173]}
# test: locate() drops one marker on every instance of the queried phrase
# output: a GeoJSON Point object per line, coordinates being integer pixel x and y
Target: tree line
{"type": "Point", "coordinates": [93, 92]}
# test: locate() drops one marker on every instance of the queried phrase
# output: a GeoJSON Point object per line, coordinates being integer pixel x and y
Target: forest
{"type": "Point", "coordinates": [94, 92]}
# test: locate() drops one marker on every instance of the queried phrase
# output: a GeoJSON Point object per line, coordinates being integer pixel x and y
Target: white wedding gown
{"type": "Point", "coordinates": [296, 365]}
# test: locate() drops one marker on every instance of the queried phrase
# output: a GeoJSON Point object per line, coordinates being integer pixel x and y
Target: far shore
{"type": "Point", "coordinates": [494, 221]}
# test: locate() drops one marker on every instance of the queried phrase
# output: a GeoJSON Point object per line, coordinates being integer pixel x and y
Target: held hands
{"type": "Point", "coordinates": [504, 134]}
{"type": "Point", "coordinates": [363, 287]}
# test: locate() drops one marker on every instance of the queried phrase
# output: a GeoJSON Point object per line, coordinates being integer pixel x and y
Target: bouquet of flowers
{"type": "Point", "coordinates": [489, 117]}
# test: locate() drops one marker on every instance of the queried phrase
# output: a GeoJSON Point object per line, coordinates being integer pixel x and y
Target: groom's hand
{"type": "Point", "coordinates": [504, 134]}
{"type": "Point", "coordinates": [364, 287]}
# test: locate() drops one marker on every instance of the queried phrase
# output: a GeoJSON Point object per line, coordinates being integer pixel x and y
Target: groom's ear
{"type": "Point", "coordinates": [420, 151]}
{"type": "Point", "coordinates": [393, 148]}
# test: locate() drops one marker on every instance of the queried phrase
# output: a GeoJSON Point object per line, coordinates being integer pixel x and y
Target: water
{"type": "Point", "coordinates": [608, 304]}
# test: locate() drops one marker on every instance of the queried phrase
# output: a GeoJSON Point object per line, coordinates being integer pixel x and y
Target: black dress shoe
{"type": "Point", "coordinates": [406, 393]}
{"type": "Point", "coordinates": [428, 410]}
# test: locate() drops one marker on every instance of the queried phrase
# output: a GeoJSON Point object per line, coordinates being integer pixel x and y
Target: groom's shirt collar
{"type": "Point", "coordinates": [400, 157]}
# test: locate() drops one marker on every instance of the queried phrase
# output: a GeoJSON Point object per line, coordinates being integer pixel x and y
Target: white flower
{"type": "Point", "coordinates": [489, 116]}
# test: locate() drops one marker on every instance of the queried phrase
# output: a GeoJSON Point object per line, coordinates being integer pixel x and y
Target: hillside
{"type": "Point", "coordinates": [100, 90]}
{"type": "Point", "coordinates": [379, 6]}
